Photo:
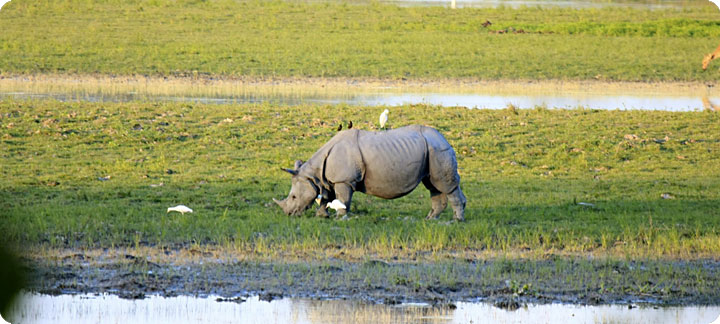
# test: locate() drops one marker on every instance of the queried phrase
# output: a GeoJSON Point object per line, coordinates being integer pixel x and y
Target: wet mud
{"type": "Point", "coordinates": [506, 283]}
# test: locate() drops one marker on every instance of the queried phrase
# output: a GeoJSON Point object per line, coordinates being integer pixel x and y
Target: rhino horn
{"type": "Point", "coordinates": [293, 172]}
{"type": "Point", "coordinates": [280, 203]}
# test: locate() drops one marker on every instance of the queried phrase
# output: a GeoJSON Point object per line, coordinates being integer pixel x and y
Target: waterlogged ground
{"type": "Point", "coordinates": [78, 309]}
{"type": "Point", "coordinates": [480, 100]}
{"type": "Point", "coordinates": [504, 282]}
{"type": "Point", "coordinates": [567, 206]}
{"type": "Point", "coordinates": [669, 96]}
{"type": "Point", "coordinates": [607, 207]}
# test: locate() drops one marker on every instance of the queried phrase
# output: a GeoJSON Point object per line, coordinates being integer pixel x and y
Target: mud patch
{"type": "Point", "coordinates": [509, 284]}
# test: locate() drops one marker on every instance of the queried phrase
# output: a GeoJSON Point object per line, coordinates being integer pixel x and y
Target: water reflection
{"type": "Point", "coordinates": [479, 100]}
{"type": "Point", "coordinates": [709, 105]}
{"type": "Point", "coordinates": [623, 102]}
{"type": "Point", "coordinates": [79, 309]}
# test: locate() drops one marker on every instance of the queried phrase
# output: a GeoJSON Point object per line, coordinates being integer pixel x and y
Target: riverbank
{"type": "Point", "coordinates": [228, 86]}
{"type": "Point", "coordinates": [507, 282]}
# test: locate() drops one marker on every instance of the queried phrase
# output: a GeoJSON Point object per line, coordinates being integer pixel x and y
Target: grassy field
{"type": "Point", "coordinates": [93, 175]}
{"type": "Point", "coordinates": [274, 38]}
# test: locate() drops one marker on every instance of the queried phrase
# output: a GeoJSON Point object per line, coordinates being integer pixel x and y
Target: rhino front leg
{"type": "Point", "coordinates": [322, 210]}
{"type": "Point", "coordinates": [326, 197]}
{"type": "Point", "coordinates": [343, 192]}
{"type": "Point", "coordinates": [457, 201]}
{"type": "Point", "coordinates": [439, 200]}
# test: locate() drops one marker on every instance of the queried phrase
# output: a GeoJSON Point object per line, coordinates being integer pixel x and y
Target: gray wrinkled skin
{"type": "Point", "coordinates": [386, 164]}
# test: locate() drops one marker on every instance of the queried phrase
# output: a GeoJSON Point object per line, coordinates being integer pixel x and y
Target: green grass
{"type": "Point", "coordinates": [273, 38]}
{"type": "Point", "coordinates": [523, 173]}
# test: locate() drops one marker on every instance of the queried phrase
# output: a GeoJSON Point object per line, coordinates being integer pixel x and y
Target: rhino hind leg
{"type": "Point", "coordinates": [457, 201]}
{"type": "Point", "coordinates": [439, 200]}
{"type": "Point", "coordinates": [439, 203]}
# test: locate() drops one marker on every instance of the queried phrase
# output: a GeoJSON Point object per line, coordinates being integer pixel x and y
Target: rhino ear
{"type": "Point", "coordinates": [298, 163]}
{"type": "Point", "coordinates": [293, 172]}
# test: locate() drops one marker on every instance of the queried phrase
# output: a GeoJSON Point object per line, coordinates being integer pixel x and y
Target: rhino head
{"type": "Point", "coordinates": [302, 193]}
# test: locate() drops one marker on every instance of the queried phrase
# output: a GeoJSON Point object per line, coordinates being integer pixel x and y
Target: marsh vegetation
{"type": "Point", "coordinates": [623, 203]}
{"type": "Point", "coordinates": [91, 175]}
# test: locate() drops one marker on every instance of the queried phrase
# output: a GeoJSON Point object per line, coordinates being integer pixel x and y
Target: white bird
{"type": "Point", "coordinates": [182, 209]}
{"type": "Point", "coordinates": [3, 2]}
{"type": "Point", "coordinates": [716, 2]}
{"type": "Point", "coordinates": [384, 116]}
{"type": "Point", "coordinates": [336, 204]}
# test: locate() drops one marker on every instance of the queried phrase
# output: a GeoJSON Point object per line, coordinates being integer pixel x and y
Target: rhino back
{"type": "Point", "coordinates": [344, 162]}
{"type": "Point", "coordinates": [395, 161]}
{"type": "Point", "coordinates": [334, 161]}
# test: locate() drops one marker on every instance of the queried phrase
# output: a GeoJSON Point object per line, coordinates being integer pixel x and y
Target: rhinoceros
{"type": "Point", "coordinates": [385, 164]}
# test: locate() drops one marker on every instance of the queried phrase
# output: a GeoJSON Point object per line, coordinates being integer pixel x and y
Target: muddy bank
{"type": "Point", "coordinates": [216, 85]}
{"type": "Point", "coordinates": [507, 283]}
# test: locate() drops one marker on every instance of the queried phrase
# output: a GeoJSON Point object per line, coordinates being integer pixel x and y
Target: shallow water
{"type": "Point", "coordinates": [479, 100]}
{"type": "Point", "coordinates": [35, 308]}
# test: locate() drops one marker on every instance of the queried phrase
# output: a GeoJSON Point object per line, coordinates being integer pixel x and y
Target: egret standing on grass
{"type": "Point", "coordinates": [182, 209]}
{"type": "Point", "coordinates": [336, 205]}
{"type": "Point", "coordinates": [384, 118]}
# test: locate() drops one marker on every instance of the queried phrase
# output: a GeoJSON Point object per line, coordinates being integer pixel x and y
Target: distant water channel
{"type": "Point", "coordinates": [479, 100]}
{"type": "Point", "coordinates": [79, 309]}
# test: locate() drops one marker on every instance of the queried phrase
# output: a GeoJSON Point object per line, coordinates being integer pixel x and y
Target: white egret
{"type": "Point", "coordinates": [336, 205]}
{"type": "Point", "coordinates": [182, 209]}
{"type": "Point", "coordinates": [384, 118]}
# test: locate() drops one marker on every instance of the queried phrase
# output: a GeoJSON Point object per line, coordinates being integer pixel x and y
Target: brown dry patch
{"type": "Point", "coordinates": [227, 86]}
